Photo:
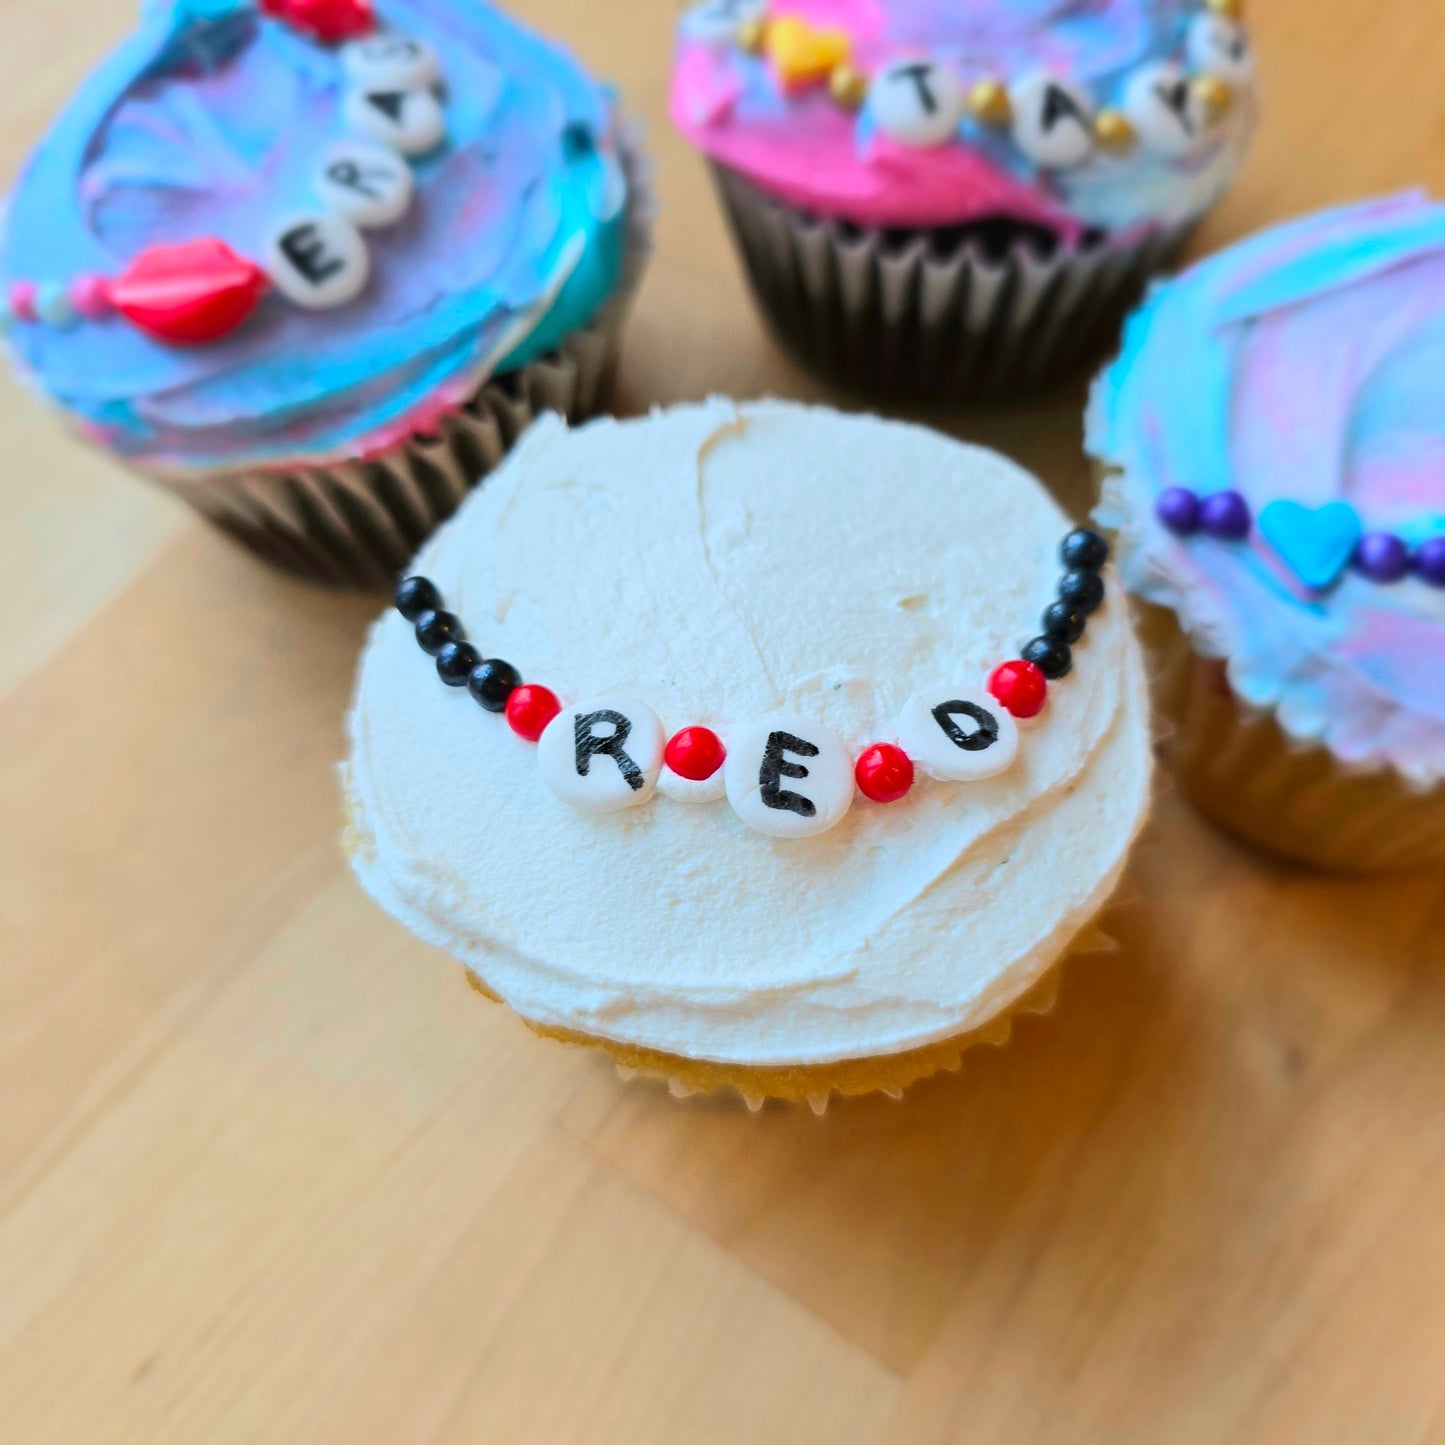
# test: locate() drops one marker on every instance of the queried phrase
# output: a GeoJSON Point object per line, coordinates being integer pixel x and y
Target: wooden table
{"type": "Point", "coordinates": [270, 1172]}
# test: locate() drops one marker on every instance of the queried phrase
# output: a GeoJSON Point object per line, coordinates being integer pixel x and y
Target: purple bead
{"type": "Point", "coordinates": [1178, 509]}
{"type": "Point", "coordinates": [1225, 515]}
{"type": "Point", "coordinates": [1382, 557]}
{"type": "Point", "coordinates": [1430, 561]}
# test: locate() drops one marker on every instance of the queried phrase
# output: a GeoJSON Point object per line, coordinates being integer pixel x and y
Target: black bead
{"type": "Point", "coordinates": [1063, 622]}
{"type": "Point", "coordinates": [1083, 591]}
{"type": "Point", "coordinates": [435, 629]}
{"type": "Point", "coordinates": [1050, 656]}
{"type": "Point", "coordinates": [416, 595]}
{"type": "Point", "coordinates": [455, 663]}
{"type": "Point", "coordinates": [1084, 550]}
{"type": "Point", "coordinates": [492, 682]}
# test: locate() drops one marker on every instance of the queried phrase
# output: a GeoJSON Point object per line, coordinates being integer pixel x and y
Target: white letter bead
{"type": "Point", "coordinates": [390, 61]}
{"type": "Point", "coordinates": [916, 102]}
{"type": "Point", "coordinates": [1163, 109]}
{"type": "Point", "coordinates": [604, 755]}
{"type": "Point", "coordinates": [715, 22]}
{"type": "Point", "coordinates": [409, 121]}
{"type": "Point", "coordinates": [958, 734]}
{"type": "Point", "coordinates": [368, 185]}
{"type": "Point", "coordinates": [318, 261]}
{"type": "Point", "coordinates": [1220, 46]}
{"type": "Point", "coordinates": [691, 790]}
{"type": "Point", "coordinates": [788, 777]}
{"type": "Point", "coordinates": [1053, 121]}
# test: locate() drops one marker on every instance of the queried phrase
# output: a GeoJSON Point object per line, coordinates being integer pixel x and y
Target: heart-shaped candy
{"type": "Point", "coordinates": [1316, 543]}
{"type": "Point", "coordinates": [803, 56]}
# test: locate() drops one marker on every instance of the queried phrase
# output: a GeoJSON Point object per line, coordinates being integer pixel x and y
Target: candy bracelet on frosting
{"type": "Point", "coordinates": [198, 291]}
{"type": "Point", "coordinates": [788, 777]}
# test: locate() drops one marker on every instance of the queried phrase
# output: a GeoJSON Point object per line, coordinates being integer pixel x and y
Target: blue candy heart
{"type": "Point", "coordinates": [1316, 543]}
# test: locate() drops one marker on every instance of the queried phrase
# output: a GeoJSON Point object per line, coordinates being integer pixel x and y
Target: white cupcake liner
{"type": "Point", "coordinates": [865, 311]}
{"type": "Point", "coordinates": [357, 524]}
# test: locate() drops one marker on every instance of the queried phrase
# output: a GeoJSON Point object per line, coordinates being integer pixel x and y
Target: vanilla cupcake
{"type": "Point", "coordinates": [313, 265]}
{"type": "Point", "coordinates": [1274, 440]}
{"type": "Point", "coordinates": [753, 777]}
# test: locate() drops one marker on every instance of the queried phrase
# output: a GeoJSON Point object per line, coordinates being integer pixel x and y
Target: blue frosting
{"type": "Point", "coordinates": [210, 121]}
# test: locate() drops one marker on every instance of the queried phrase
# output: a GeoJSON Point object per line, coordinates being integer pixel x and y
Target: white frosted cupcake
{"type": "Point", "coordinates": [809, 810]}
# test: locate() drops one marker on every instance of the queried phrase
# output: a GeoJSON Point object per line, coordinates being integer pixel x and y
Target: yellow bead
{"type": "Point", "coordinates": [1229, 9]}
{"type": "Point", "coordinates": [988, 103]}
{"type": "Point", "coordinates": [848, 87]}
{"type": "Point", "coordinates": [752, 35]}
{"type": "Point", "coordinates": [1114, 132]}
{"type": "Point", "coordinates": [1214, 96]}
{"type": "Point", "coordinates": [803, 56]}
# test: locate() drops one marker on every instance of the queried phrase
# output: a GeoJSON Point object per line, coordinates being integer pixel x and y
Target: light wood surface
{"type": "Point", "coordinates": [269, 1171]}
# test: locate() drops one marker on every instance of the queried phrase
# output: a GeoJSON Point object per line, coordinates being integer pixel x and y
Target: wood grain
{"type": "Point", "coordinates": [270, 1172]}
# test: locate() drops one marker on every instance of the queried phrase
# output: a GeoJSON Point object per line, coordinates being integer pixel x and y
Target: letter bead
{"type": "Point", "coordinates": [390, 61]}
{"type": "Point", "coordinates": [716, 22]}
{"type": "Point", "coordinates": [366, 185]}
{"type": "Point", "coordinates": [408, 120]}
{"type": "Point", "coordinates": [958, 734]}
{"type": "Point", "coordinates": [1053, 120]}
{"type": "Point", "coordinates": [916, 102]}
{"type": "Point", "coordinates": [788, 777]}
{"type": "Point", "coordinates": [1165, 110]}
{"type": "Point", "coordinates": [318, 261]}
{"type": "Point", "coordinates": [603, 755]}
{"type": "Point", "coordinates": [1221, 47]}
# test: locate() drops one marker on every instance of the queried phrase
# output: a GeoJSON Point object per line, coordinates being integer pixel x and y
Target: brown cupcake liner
{"type": "Point", "coordinates": [357, 524]}
{"type": "Point", "coordinates": [1292, 798]}
{"type": "Point", "coordinates": [866, 312]}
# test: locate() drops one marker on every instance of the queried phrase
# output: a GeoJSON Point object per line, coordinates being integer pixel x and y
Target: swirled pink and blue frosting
{"type": "Point", "coordinates": [1305, 364]}
{"type": "Point", "coordinates": [209, 121]}
{"type": "Point", "coordinates": [807, 150]}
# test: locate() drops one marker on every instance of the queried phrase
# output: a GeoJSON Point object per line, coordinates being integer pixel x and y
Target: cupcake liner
{"type": "Point", "coordinates": [357, 523]}
{"type": "Point", "coordinates": [963, 325]}
{"type": "Point", "coordinates": [1245, 773]}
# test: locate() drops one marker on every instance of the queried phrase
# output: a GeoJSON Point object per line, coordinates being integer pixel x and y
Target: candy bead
{"type": "Point", "coordinates": [415, 595]}
{"type": "Point", "coordinates": [1082, 591]}
{"type": "Point", "coordinates": [1382, 557]}
{"type": "Point", "coordinates": [884, 773]}
{"type": "Point", "coordinates": [436, 628]}
{"type": "Point", "coordinates": [1020, 687]}
{"type": "Point", "coordinates": [1050, 656]}
{"type": "Point", "coordinates": [1225, 515]}
{"type": "Point", "coordinates": [367, 185]}
{"type": "Point", "coordinates": [1216, 44]}
{"type": "Point", "coordinates": [188, 294]}
{"type": "Point", "coordinates": [1178, 509]}
{"type": "Point", "coordinates": [90, 294]}
{"type": "Point", "coordinates": [602, 755]}
{"type": "Point", "coordinates": [1167, 112]}
{"type": "Point", "coordinates": [1084, 549]}
{"type": "Point", "coordinates": [492, 682]}
{"type": "Point", "coordinates": [53, 305]}
{"type": "Point", "coordinates": [958, 734]}
{"type": "Point", "coordinates": [1064, 622]}
{"type": "Point", "coordinates": [1053, 120]}
{"type": "Point", "coordinates": [408, 120]}
{"type": "Point", "coordinates": [916, 103]}
{"type": "Point", "coordinates": [22, 301]}
{"type": "Point", "coordinates": [390, 59]}
{"type": "Point", "coordinates": [1430, 561]}
{"type": "Point", "coordinates": [788, 777]}
{"type": "Point", "coordinates": [455, 663]}
{"type": "Point", "coordinates": [318, 261]}
{"type": "Point", "coordinates": [715, 22]}
{"type": "Point", "coordinates": [695, 753]}
{"type": "Point", "coordinates": [530, 708]}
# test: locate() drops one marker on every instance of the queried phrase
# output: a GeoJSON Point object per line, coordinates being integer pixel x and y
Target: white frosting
{"type": "Point", "coordinates": [727, 564]}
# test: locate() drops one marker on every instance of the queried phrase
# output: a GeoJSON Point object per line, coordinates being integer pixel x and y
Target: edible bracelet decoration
{"type": "Point", "coordinates": [198, 291]}
{"type": "Point", "coordinates": [1165, 107]}
{"type": "Point", "coordinates": [787, 777]}
{"type": "Point", "coordinates": [1317, 544]}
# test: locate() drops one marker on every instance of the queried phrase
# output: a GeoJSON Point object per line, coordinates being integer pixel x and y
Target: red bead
{"type": "Point", "coordinates": [189, 294]}
{"type": "Point", "coordinates": [530, 708]}
{"type": "Point", "coordinates": [326, 20]}
{"type": "Point", "coordinates": [695, 753]}
{"type": "Point", "coordinates": [22, 300]}
{"type": "Point", "coordinates": [884, 773]}
{"type": "Point", "coordinates": [1020, 687]}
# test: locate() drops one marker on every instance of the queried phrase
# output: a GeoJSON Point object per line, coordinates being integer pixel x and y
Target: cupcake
{"type": "Point", "coordinates": [1274, 434]}
{"type": "Point", "coordinates": [751, 776]}
{"type": "Point", "coordinates": [315, 264]}
{"type": "Point", "coordinates": [961, 199]}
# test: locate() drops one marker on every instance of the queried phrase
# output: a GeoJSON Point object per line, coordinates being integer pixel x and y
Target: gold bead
{"type": "Point", "coordinates": [1114, 132]}
{"type": "Point", "coordinates": [1213, 95]}
{"type": "Point", "coordinates": [848, 87]}
{"type": "Point", "coordinates": [988, 103]}
{"type": "Point", "coordinates": [752, 35]}
{"type": "Point", "coordinates": [1226, 9]}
